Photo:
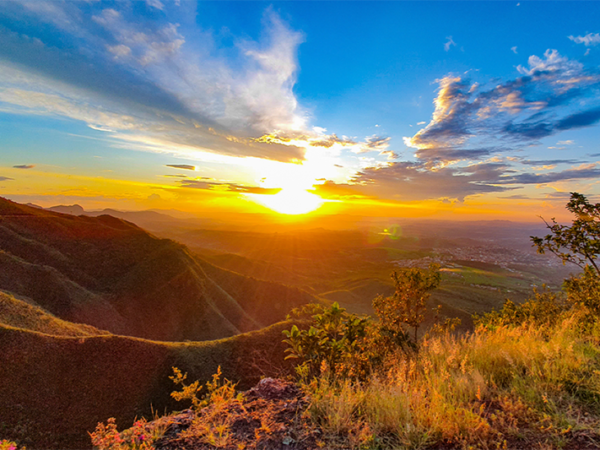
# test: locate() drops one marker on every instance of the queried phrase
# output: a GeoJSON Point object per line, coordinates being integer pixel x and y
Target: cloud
{"type": "Point", "coordinates": [567, 142]}
{"type": "Point", "coordinates": [390, 154]}
{"type": "Point", "coordinates": [449, 43]}
{"type": "Point", "coordinates": [548, 162]}
{"type": "Point", "coordinates": [582, 172]}
{"type": "Point", "coordinates": [376, 143]}
{"type": "Point", "coordinates": [514, 49]}
{"type": "Point", "coordinates": [182, 166]}
{"type": "Point", "coordinates": [24, 166]}
{"type": "Point", "coordinates": [157, 80]}
{"type": "Point", "coordinates": [6, 179]}
{"type": "Point", "coordinates": [231, 187]}
{"type": "Point", "coordinates": [471, 120]}
{"type": "Point", "coordinates": [589, 40]}
{"type": "Point", "coordinates": [458, 152]}
{"type": "Point", "coordinates": [406, 181]}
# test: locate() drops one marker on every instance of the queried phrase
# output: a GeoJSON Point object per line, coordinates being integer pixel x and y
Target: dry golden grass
{"type": "Point", "coordinates": [513, 387]}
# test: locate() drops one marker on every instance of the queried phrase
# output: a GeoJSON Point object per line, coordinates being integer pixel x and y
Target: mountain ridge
{"type": "Point", "coordinates": [112, 274]}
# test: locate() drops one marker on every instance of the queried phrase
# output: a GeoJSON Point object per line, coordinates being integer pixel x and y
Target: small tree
{"type": "Point", "coordinates": [579, 243]}
{"type": "Point", "coordinates": [408, 304]}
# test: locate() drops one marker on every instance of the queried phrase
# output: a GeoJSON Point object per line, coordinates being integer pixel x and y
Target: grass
{"type": "Point", "coordinates": [20, 314]}
{"type": "Point", "coordinates": [513, 387]}
{"type": "Point", "coordinates": [510, 387]}
{"type": "Point", "coordinates": [55, 389]}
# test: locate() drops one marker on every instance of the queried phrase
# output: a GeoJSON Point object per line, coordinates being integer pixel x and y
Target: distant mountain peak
{"type": "Point", "coordinates": [75, 210]}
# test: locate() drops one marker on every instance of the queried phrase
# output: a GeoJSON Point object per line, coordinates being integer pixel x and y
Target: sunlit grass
{"type": "Point", "coordinates": [507, 388]}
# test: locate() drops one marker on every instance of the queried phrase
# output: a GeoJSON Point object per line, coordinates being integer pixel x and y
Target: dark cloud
{"type": "Point", "coordinates": [579, 120]}
{"type": "Point", "coordinates": [377, 143]}
{"type": "Point", "coordinates": [441, 154]}
{"type": "Point", "coordinates": [559, 195]}
{"type": "Point", "coordinates": [182, 166]}
{"type": "Point", "coordinates": [517, 197]}
{"type": "Point", "coordinates": [6, 179]}
{"type": "Point", "coordinates": [548, 162]}
{"type": "Point", "coordinates": [406, 181]}
{"type": "Point", "coordinates": [24, 166]}
{"type": "Point", "coordinates": [232, 187]}
{"type": "Point", "coordinates": [583, 172]}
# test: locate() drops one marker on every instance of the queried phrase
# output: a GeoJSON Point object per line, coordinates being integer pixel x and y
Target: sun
{"type": "Point", "coordinates": [292, 201]}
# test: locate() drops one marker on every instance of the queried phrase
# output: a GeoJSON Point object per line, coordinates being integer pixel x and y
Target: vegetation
{"type": "Point", "coordinates": [579, 243]}
{"type": "Point", "coordinates": [526, 376]}
{"type": "Point", "coordinates": [408, 304]}
{"type": "Point", "coordinates": [8, 445]}
{"type": "Point", "coordinates": [336, 340]}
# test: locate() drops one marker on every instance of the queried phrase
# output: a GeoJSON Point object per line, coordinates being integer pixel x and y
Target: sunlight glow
{"type": "Point", "coordinates": [291, 201]}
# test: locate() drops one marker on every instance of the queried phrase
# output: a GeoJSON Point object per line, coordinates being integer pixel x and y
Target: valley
{"type": "Point", "coordinates": [95, 310]}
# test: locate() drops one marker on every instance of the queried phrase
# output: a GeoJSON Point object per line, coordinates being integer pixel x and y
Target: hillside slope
{"type": "Point", "coordinates": [55, 389]}
{"type": "Point", "coordinates": [17, 313]}
{"type": "Point", "coordinates": [113, 275]}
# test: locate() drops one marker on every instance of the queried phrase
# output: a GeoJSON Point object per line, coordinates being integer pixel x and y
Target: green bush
{"type": "Point", "coordinates": [584, 292]}
{"type": "Point", "coordinates": [337, 342]}
{"type": "Point", "coordinates": [544, 308]}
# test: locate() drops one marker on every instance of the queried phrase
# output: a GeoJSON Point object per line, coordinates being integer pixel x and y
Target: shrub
{"type": "Point", "coordinates": [337, 342]}
{"type": "Point", "coordinates": [408, 304]}
{"type": "Point", "coordinates": [141, 436]}
{"type": "Point", "coordinates": [217, 390]}
{"type": "Point", "coordinates": [8, 445]}
{"type": "Point", "coordinates": [584, 292]}
{"type": "Point", "coordinates": [579, 243]}
{"type": "Point", "coordinates": [544, 308]}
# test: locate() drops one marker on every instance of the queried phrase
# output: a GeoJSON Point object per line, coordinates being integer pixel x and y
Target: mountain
{"type": "Point", "coordinates": [152, 220]}
{"type": "Point", "coordinates": [113, 275]}
{"type": "Point", "coordinates": [60, 379]}
{"type": "Point", "coordinates": [17, 313]}
{"type": "Point", "coordinates": [75, 210]}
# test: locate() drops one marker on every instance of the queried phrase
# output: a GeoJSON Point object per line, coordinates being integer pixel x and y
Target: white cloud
{"type": "Point", "coordinates": [449, 43]}
{"type": "Point", "coordinates": [210, 100]}
{"type": "Point", "coordinates": [514, 49]}
{"type": "Point", "coordinates": [552, 62]}
{"type": "Point", "coordinates": [155, 4]}
{"type": "Point", "coordinates": [588, 40]}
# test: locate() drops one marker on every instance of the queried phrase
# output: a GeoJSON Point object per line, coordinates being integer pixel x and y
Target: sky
{"type": "Point", "coordinates": [453, 110]}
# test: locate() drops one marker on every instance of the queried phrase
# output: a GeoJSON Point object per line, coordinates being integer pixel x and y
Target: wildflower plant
{"type": "Point", "coordinates": [141, 436]}
{"type": "Point", "coordinates": [217, 390]}
{"type": "Point", "coordinates": [9, 445]}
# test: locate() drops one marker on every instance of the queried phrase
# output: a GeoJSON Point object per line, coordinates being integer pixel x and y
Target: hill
{"type": "Point", "coordinates": [18, 313]}
{"type": "Point", "coordinates": [113, 275]}
{"type": "Point", "coordinates": [57, 388]}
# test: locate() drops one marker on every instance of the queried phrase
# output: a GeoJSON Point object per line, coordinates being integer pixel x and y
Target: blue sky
{"type": "Point", "coordinates": [462, 106]}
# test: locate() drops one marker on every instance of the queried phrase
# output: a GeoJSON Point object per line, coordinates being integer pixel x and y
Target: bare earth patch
{"type": "Point", "coordinates": [268, 416]}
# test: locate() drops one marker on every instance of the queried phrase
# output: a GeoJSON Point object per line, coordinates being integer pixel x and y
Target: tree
{"type": "Point", "coordinates": [408, 304]}
{"type": "Point", "coordinates": [579, 243]}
